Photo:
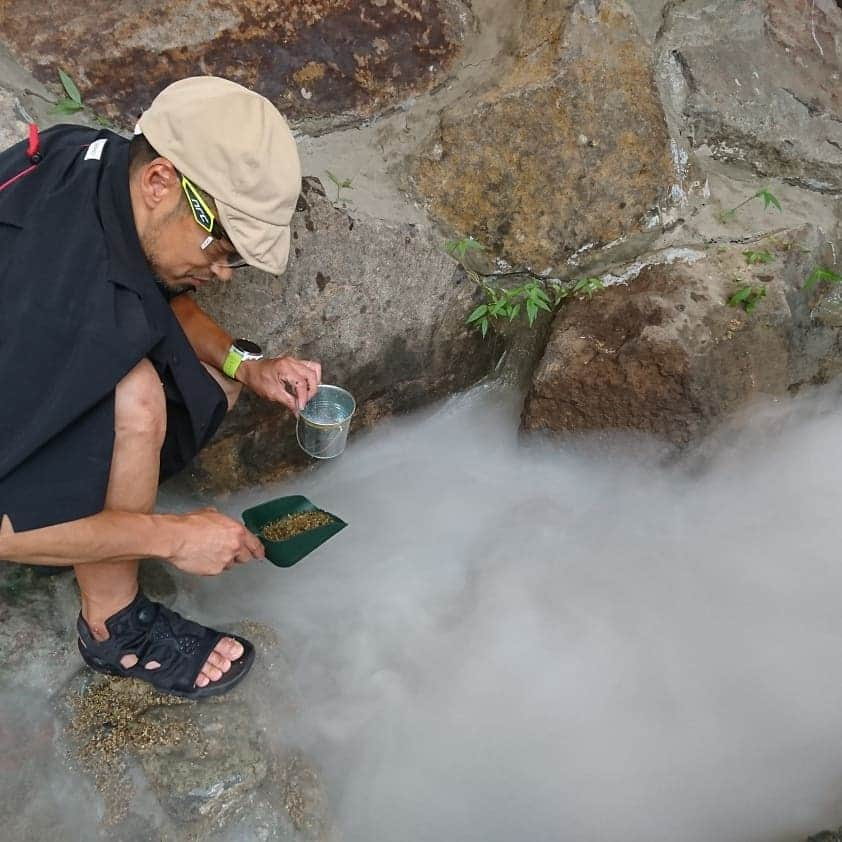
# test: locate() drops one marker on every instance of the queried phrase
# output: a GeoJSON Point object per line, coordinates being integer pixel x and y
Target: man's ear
{"type": "Point", "coordinates": [6, 526]}
{"type": "Point", "coordinates": [158, 182]}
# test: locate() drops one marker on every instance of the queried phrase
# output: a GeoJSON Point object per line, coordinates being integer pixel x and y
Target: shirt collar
{"type": "Point", "coordinates": [128, 265]}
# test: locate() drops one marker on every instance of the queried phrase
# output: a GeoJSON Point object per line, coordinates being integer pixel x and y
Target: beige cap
{"type": "Point", "coordinates": [235, 145]}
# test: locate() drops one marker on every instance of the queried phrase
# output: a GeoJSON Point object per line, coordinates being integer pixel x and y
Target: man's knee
{"type": "Point", "coordinates": [140, 408]}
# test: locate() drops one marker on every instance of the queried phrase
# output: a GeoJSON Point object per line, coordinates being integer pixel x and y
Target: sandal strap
{"type": "Point", "coordinates": [153, 632]}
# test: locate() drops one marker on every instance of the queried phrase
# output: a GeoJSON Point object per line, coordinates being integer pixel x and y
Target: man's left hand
{"type": "Point", "coordinates": [284, 380]}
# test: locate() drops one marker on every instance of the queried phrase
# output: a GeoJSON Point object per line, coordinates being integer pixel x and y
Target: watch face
{"type": "Point", "coordinates": [247, 346]}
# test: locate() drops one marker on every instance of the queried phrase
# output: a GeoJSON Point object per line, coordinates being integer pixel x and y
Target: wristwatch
{"type": "Point", "coordinates": [240, 350]}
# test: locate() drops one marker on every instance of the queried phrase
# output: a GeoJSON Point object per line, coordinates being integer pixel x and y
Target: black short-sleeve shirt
{"type": "Point", "coordinates": [79, 308]}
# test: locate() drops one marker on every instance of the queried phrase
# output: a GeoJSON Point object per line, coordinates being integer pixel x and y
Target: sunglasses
{"type": "Point", "coordinates": [207, 221]}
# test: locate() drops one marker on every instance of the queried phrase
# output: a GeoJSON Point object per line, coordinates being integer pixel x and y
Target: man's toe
{"type": "Point", "coordinates": [229, 648]}
{"type": "Point", "coordinates": [218, 661]}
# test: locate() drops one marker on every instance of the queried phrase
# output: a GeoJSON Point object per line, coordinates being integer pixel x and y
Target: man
{"type": "Point", "coordinates": [113, 378]}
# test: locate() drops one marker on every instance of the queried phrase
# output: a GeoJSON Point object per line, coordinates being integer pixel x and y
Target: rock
{"type": "Point", "coordinates": [757, 81]}
{"type": "Point", "coordinates": [12, 128]}
{"type": "Point", "coordinates": [203, 776]}
{"type": "Point", "coordinates": [42, 798]}
{"type": "Point", "coordinates": [216, 770]}
{"type": "Point", "coordinates": [316, 59]}
{"type": "Point", "coordinates": [827, 836]}
{"type": "Point", "coordinates": [667, 355]}
{"type": "Point", "coordinates": [37, 614]}
{"type": "Point", "coordinates": [380, 305]}
{"type": "Point", "coordinates": [568, 150]}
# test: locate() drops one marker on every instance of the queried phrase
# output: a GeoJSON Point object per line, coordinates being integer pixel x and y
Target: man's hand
{"type": "Point", "coordinates": [285, 380]}
{"type": "Point", "coordinates": [209, 542]}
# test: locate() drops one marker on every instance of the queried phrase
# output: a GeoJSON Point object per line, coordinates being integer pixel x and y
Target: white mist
{"type": "Point", "coordinates": [528, 643]}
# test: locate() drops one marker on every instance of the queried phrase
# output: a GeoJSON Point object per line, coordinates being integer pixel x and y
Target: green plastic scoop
{"type": "Point", "coordinates": [291, 550]}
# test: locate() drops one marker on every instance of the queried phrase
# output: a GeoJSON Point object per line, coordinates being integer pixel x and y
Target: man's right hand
{"type": "Point", "coordinates": [209, 542]}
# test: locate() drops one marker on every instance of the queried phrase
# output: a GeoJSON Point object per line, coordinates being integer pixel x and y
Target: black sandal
{"type": "Point", "coordinates": [152, 632]}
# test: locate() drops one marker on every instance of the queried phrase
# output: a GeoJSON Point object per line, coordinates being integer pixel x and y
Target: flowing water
{"type": "Point", "coordinates": [545, 642]}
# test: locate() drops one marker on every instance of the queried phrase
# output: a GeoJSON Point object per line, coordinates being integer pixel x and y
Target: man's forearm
{"type": "Point", "coordinates": [210, 340]}
{"type": "Point", "coordinates": [107, 536]}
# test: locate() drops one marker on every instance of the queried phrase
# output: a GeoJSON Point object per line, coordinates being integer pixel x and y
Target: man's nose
{"type": "Point", "coordinates": [221, 271]}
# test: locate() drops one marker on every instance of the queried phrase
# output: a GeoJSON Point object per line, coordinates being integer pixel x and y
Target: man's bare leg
{"type": "Point", "coordinates": [232, 388]}
{"type": "Point", "coordinates": [139, 426]}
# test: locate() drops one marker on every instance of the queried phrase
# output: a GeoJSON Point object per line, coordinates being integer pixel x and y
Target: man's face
{"type": "Point", "coordinates": [172, 243]}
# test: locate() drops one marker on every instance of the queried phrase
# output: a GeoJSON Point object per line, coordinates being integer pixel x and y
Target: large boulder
{"type": "Point", "coordinates": [317, 59]}
{"type": "Point", "coordinates": [662, 351]}
{"type": "Point", "coordinates": [380, 305]}
{"type": "Point", "coordinates": [757, 82]}
{"type": "Point", "coordinates": [568, 150]}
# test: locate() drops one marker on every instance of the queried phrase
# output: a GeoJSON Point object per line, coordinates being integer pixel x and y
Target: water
{"type": "Point", "coordinates": [544, 643]}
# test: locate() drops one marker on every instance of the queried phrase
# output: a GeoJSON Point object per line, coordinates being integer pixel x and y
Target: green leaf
{"type": "Point", "coordinates": [66, 106]}
{"type": "Point", "coordinates": [531, 312]}
{"type": "Point", "coordinates": [758, 293]}
{"type": "Point", "coordinates": [483, 326]}
{"type": "Point", "coordinates": [498, 308]}
{"type": "Point", "coordinates": [514, 311]}
{"type": "Point", "coordinates": [459, 248]}
{"type": "Point", "coordinates": [739, 296]}
{"type": "Point", "coordinates": [769, 199]}
{"type": "Point", "coordinates": [754, 257]}
{"type": "Point", "coordinates": [588, 286]}
{"type": "Point", "coordinates": [70, 88]}
{"type": "Point", "coordinates": [477, 314]}
{"type": "Point", "coordinates": [544, 306]}
{"type": "Point", "coordinates": [541, 296]}
{"type": "Point", "coordinates": [747, 297]}
{"type": "Point", "coordinates": [822, 273]}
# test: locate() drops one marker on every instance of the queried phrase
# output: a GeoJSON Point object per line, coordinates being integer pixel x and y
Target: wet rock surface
{"type": "Point", "coordinates": [668, 355]}
{"type": "Point", "coordinates": [313, 58]}
{"type": "Point", "coordinates": [570, 149]}
{"type": "Point", "coordinates": [142, 765]}
{"type": "Point", "coordinates": [757, 81]}
{"type": "Point", "coordinates": [380, 305]}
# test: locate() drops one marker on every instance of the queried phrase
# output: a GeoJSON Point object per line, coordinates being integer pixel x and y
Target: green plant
{"type": "Point", "coordinates": [73, 101]}
{"type": "Point", "coordinates": [506, 304]}
{"type": "Point", "coordinates": [755, 257]}
{"type": "Point", "coordinates": [769, 200]}
{"type": "Point", "coordinates": [587, 286]}
{"type": "Point", "coordinates": [340, 184]}
{"type": "Point", "coordinates": [459, 249]}
{"type": "Point", "coordinates": [747, 297]}
{"type": "Point", "coordinates": [822, 273]}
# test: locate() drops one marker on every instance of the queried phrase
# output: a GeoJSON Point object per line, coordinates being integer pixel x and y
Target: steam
{"type": "Point", "coordinates": [547, 642]}
{"type": "Point", "coordinates": [539, 641]}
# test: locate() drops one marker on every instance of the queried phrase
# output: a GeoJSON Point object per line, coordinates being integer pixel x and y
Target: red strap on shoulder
{"type": "Point", "coordinates": [34, 142]}
{"type": "Point", "coordinates": [34, 156]}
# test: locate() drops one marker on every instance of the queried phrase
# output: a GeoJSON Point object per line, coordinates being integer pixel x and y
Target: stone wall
{"type": "Point", "coordinates": [568, 136]}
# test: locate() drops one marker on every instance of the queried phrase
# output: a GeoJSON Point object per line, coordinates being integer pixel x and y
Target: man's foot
{"type": "Point", "coordinates": [146, 640]}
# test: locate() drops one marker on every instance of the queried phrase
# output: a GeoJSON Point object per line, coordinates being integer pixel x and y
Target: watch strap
{"type": "Point", "coordinates": [232, 361]}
